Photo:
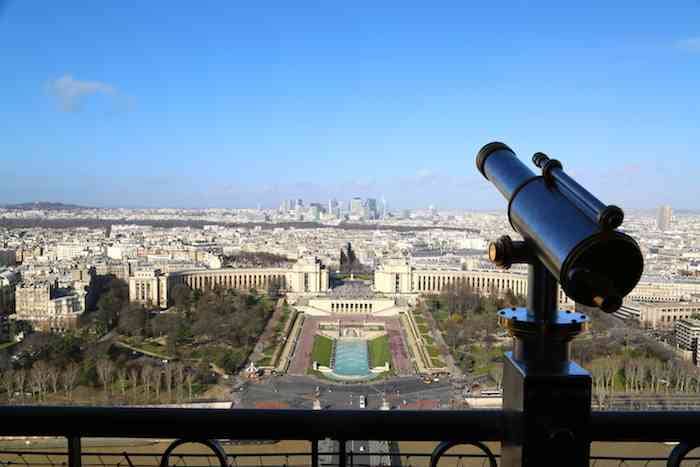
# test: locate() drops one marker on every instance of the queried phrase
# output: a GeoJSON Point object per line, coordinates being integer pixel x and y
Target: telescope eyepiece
{"type": "Point", "coordinates": [611, 217]}
{"type": "Point", "coordinates": [540, 159]}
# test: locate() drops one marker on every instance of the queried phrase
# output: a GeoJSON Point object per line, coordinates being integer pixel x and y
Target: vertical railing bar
{"type": "Point", "coordinates": [342, 461]}
{"type": "Point", "coordinates": [74, 454]}
{"type": "Point", "coordinates": [314, 453]}
{"type": "Point", "coordinates": [128, 459]}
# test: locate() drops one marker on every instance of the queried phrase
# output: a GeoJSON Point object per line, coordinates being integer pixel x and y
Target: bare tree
{"type": "Point", "coordinates": [69, 378]}
{"type": "Point", "coordinates": [53, 374]}
{"type": "Point", "coordinates": [146, 378]}
{"type": "Point", "coordinates": [179, 373]}
{"type": "Point", "coordinates": [189, 379]}
{"type": "Point", "coordinates": [8, 382]}
{"type": "Point", "coordinates": [134, 379]}
{"type": "Point", "coordinates": [496, 373]}
{"type": "Point", "coordinates": [36, 380]}
{"type": "Point", "coordinates": [105, 371]}
{"type": "Point", "coordinates": [39, 377]}
{"type": "Point", "coordinates": [168, 374]}
{"type": "Point", "coordinates": [20, 380]}
{"type": "Point", "coordinates": [122, 379]}
{"type": "Point", "coordinates": [157, 381]}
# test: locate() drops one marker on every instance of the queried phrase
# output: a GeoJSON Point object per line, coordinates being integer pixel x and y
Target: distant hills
{"type": "Point", "coordinates": [44, 206]}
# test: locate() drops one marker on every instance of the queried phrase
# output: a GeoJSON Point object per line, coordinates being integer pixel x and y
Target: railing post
{"type": "Point", "coordinates": [342, 460]}
{"type": "Point", "coordinates": [314, 453]}
{"type": "Point", "coordinates": [546, 397]}
{"type": "Point", "coordinates": [74, 451]}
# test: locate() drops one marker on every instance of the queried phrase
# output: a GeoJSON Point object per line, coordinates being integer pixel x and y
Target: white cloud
{"type": "Point", "coordinates": [691, 44]}
{"type": "Point", "coordinates": [71, 93]}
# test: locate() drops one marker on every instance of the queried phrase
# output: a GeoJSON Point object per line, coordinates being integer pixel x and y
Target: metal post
{"type": "Point", "coordinates": [74, 451]}
{"type": "Point", "coordinates": [342, 461]}
{"type": "Point", "coordinates": [542, 293]}
{"type": "Point", "coordinates": [314, 453]}
{"type": "Point", "coordinates": [547, 398]}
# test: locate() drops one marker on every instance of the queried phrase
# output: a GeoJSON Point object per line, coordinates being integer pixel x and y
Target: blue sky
{"type": "Point", "coordinates": [198, 104]}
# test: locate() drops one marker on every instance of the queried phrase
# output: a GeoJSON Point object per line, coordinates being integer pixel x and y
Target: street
{"type": "Point", "coordinates": [300, 392]}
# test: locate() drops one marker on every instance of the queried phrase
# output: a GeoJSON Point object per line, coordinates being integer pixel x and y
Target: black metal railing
{"type": "Point", "coordinates": [286, 459]}
{"type": "Point", "coordinates": [205, 426]}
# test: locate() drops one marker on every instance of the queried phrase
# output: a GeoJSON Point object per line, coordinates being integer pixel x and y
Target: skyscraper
{"type": "Point", "coordinates": [663, 220]}
{"type": "Point", "coordinates": [372, 211]}
{"type": "Point", "coordinates": [357, 208]}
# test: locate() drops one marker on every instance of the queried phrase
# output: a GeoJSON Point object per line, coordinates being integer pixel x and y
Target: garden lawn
{"type": "Point", "coordinates": [321, 353]}
{"type": "Point", "coordinates": [379, 352]}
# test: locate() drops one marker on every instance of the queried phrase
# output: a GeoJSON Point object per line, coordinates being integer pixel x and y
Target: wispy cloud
{"type": "Point", "coordinates": [71, 93]}
{"type": "Point", "coordinates": [691, 44]}
{"type": "Point", "coordinates": [425, 173]}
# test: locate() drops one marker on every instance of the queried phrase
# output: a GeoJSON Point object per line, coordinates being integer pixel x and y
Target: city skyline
{"type": "Point", "coordinates": [260, 105]}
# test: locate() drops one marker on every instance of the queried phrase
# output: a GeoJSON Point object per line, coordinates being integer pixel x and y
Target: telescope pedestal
{"type": "Point", "coordinates": [547, 397]}
{"type": "Point", "coordinates": [547, 415]}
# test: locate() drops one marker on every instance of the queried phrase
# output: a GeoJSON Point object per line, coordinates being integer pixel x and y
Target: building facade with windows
{"type": "Point", "coordinates": [149, 287]}
{"type": "Point", "coordinates": [47, 307]}
{"type": "Point", "coordinates": [664, 315]}
{"type": "Point", "coordinates": [399, 277]}
{"type": "Point", "coordinates": [308, 276]}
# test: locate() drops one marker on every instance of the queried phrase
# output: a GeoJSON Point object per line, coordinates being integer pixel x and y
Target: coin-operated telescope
{"type": "Point", "coordinates": [565, 227]}
{"type": "Point", "coordinates": [569, 238]}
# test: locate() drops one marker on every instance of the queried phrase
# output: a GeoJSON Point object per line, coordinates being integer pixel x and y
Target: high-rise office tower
{"type": "Point", "coordinates": [663, 220]}
{"type": "Point", "coordinates": [357, 208]}
{"type": "Point", "coordinates": [372, 211]}
{"type": "Point", "coordinates": [332, 205]}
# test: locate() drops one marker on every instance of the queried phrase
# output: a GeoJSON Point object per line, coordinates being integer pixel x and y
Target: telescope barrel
{"type": "Point", "coordinates": [508, 174]}
{"type": "Point", "coordinates": [595, 264]}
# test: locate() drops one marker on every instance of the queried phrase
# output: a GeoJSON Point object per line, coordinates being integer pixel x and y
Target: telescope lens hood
{"type": "Point", "coordinates": [486, 151]}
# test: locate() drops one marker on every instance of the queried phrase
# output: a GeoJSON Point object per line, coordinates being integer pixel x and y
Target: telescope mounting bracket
{"type": "Point", "coordinates": [542, 332]}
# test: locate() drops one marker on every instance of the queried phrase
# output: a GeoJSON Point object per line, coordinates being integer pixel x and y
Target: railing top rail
{"type": "Point", "coordinates": [484, 425]}
{"type": "Point", "coordinates": [395, 425]}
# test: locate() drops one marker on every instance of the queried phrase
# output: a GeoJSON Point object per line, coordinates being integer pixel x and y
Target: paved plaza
{"type": "Point", "coordinates": [301, 358]}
